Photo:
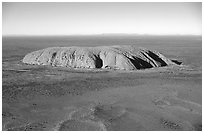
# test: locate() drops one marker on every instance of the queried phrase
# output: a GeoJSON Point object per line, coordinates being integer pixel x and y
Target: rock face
{"type": "Point", "coordinates": [113, 57]}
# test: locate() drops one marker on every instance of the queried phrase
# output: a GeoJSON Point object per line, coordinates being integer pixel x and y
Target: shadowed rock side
{"type": "Point", "coordinates": [113, 57]}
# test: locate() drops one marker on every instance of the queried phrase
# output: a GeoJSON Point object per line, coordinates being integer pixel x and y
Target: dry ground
{"type": "Point", "coordinates": [48, 98]}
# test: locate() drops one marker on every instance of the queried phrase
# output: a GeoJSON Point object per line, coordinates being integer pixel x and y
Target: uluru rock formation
{"type": "Point", "coordinates": [113, 57]}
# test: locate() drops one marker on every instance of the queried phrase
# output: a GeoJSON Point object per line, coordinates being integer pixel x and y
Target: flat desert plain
{"type": "Point", "coordinates": [41, 98]}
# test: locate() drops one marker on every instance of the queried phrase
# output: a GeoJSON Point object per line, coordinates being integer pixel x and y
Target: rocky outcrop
{"type": "Point", "coordinates": [113, 57]}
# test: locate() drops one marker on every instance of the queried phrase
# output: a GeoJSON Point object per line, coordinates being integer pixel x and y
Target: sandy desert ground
{"type": "Point", "coordinates": [56, 98]}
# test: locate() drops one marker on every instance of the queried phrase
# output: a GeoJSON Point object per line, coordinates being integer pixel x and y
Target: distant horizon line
{"type": "Point", "coordinates": [100, 34]}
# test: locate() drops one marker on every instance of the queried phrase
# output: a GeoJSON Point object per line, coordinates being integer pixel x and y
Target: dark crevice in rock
{"type": "Point", "coordinates": [144, 64]}
{"type": "Point", "coordinates": [139, 63]}
{"type": "Point", "coordinates": [157, 58]}
{"type": "Point", "coordinates": [98, 62]}
{"type": "Point", "coordinates": [177, 62]}
{"type": "Point", "coordinates": [53, 57]}
{"type": "Point", "coordinates": [149, 58]}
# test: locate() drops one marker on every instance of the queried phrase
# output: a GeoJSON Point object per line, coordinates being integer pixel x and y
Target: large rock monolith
{"type": "Point", "coordinates": [113, 57]}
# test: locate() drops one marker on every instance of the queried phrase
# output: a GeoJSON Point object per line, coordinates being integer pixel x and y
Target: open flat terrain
{"type": "Point", "coordinates": [57, 98]}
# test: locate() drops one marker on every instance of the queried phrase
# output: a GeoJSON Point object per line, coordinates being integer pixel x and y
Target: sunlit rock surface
{"type": "Point", "coordinates": [112, 57]}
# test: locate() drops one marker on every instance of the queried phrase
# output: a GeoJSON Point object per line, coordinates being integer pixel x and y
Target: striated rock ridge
{"type": "Point", "coordinates": [113, 57]}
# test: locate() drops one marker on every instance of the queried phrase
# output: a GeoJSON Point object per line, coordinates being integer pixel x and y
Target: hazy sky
{"type": "Point", "coordinates": [96, 18]}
